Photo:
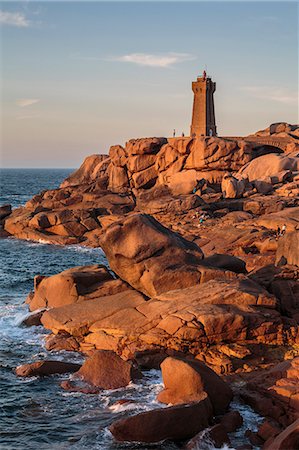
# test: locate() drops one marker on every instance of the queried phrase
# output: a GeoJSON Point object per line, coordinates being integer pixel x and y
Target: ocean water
{"type": "Point", "coordinates": [35, 413]}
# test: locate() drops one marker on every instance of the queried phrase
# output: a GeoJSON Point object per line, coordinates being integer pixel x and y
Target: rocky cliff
{"type": "Point", "coordinates": [202, 238]}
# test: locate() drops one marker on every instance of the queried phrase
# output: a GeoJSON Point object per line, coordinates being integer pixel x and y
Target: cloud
{"type": "Point", "coordinates": [23, 102]}
{"type": "Point", "coordinates": [155, 60]}
{"type": "Point", "coordinates": [280, 95]}
{"type": "Point", "coordinates": [15, 19]}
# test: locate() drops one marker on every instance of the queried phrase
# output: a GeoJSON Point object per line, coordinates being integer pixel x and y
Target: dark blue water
{"type": "Point", "coordinates": [19, 185]}
{"type": "Point", "coordinates": [36, 413]}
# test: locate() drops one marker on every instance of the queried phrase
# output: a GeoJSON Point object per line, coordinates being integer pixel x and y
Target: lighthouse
{"type": "Point", "coordinates": [203, 114]}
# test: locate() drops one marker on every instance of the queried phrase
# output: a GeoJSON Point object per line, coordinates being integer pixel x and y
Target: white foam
{"type": "Point", "coordinates": [129, 406]}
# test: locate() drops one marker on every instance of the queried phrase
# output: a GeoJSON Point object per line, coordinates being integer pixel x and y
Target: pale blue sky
{"type": "Point", "coordinates": [78, 77]}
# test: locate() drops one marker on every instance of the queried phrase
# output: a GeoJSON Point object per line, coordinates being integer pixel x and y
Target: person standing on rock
{"type": "Point", "coordinates": [283, 229]}
{"type": "Point", "coordinates": [173, 134]}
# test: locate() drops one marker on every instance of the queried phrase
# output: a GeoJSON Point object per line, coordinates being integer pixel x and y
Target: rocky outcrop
{"type": "Point", "coordinates": [150, 257]}
{"type": "Point", "coordinates": [167, 177]}
{"type": "Point", "coordinates": [176, 423]}
{"type": "Point", "coordinates": [77, 318]}
{"type": "Point", "coordinates": [187, 320]}
{"type": "Point", "coordinates": [187, 381]}
{"type": "Point", "coordinates": [43, 368]}
{"type": "Point", "coordinates": [66, 216]}
{"type": "Point", "coordinates": [73, 285]}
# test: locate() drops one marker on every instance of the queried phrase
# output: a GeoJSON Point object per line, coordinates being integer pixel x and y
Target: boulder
{"type": "Point", "coordinates": [281, 127]}
{"type": "Point", "coordinates": [268, 166]}
{"type": "Point", "coordinates": [33, 319]}
{"type": "Point", "coordinates": [93, 167]}
{"type": "Point", "coordinates": [213, 153]}
{"type": "Point", "coordinates": [144, 146]}
{"type": "Point", "coordinates": [183, 182]}
{"type": "Point", "coordinates": [175, 423]}
{"type": "Point", "coordinates": [231, 187]}
{"type": "Point", "coordinates": [43, 368]}
{"type": "Point", "coordinates": [118, 179]}
{"type": "Point", "coordinates": [182, 144]}
{"type": "Point", "coordinates": [144, 179]}
{"type": "Point", "coordinates": [118, 156]}
{"type": "Point", "coordinates": [231, 421]}
{"type": "Point", "coordinates": [166, 157]}
{"type": "Point", "coordinates": [137, 163]}
{"type": "Point", "coordinates": [106, 370]}
{"type": "Point", "coordinates": [5, 210]}
{"type": "Point", "coordinates": [73, 285]}
{"type": "Point", "coordinates": [150, 257]}
{"type": "Point", "coordinates": [288, 249]}
{"type": "Point", "coordinates": [188, 381]}
{"type": "Point", "coordinates": [61, 341]}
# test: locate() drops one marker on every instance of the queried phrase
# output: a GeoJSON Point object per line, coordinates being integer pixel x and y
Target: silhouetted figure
{"type": "Point", "coordinates": [278, 232]}
{"type": "Point", "coordinates": [173, 134]}
{"type": "Point", "coordinates": [183, 134]}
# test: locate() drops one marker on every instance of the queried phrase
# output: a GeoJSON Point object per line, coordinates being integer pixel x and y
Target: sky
{"type": "Point", "coordinates": [78, 77]}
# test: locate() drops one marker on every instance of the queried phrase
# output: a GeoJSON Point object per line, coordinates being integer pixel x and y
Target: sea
{"type": "Point", "coordinates": [36, 413]}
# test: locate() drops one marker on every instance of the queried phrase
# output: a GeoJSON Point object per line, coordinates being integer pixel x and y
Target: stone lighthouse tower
{"type": "Point", "coordinates": [203, 115]}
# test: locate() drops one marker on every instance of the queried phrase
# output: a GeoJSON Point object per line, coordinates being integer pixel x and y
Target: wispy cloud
{"type": "Point", "coordinates": [23, 102]}
{"type": "Point", "coordinates": [15, 19]}
{"type": "Point", "coordinates": [155, 60]}
{"type": "Point", "coordinates": [280, 95]}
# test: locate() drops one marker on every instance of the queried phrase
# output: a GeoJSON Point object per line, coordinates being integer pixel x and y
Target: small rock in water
{"type": "Point", "coordinates": [33, 319]}
{"type": "Point", "coordinates": [43, 368]}
{"type": "Point", "coordinates": [232, 421]}
{"type": "Point", "coordinates": [175, 423]}
{"type": "Point", "coordinates": [103, 370]}
{"type": "Point", "coordinates": [79, 386]}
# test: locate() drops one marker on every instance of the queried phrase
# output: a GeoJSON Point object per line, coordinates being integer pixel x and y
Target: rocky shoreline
{"type": "Point", "coordinates": [202, 240]}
